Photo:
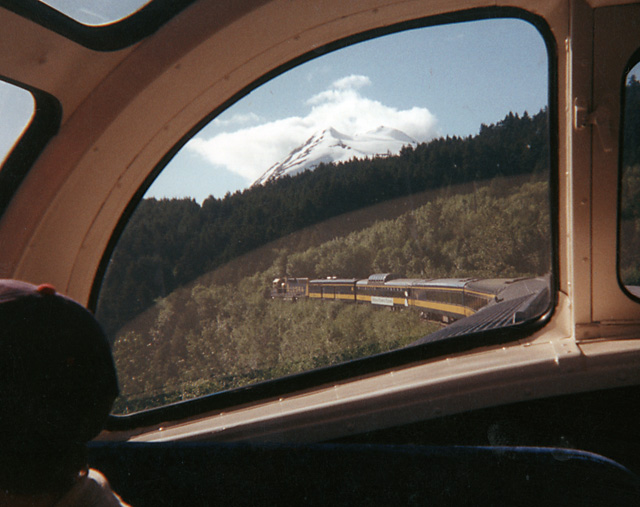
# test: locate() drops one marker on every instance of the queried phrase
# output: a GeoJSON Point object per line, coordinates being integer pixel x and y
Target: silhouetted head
{"type": "Point", "coordinates": [57, 382]}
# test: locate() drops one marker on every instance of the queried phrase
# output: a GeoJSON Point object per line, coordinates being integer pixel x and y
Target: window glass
{"type": "Point", "coordinates": [96, 12]}
{"type": "Point", "coordinates": [388, 194]}
{"type": "Point", "coordinates": [629, 262]}
{"type": "Point", "coordinates": [16, 110]}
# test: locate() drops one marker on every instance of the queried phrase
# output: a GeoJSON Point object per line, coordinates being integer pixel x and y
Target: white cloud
{"type": "Point", "coordinates": [237, 119]}
{"type": "Point", "coordinates": [251, 151]}
{"type": "Point", "coordinates": [351, 82]}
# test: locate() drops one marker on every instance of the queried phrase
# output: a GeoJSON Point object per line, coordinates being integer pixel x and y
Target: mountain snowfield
{"type": "Point", "coordinates": [331, 145]}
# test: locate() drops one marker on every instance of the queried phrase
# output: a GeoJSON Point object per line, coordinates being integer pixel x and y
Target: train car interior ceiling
{"type": "Point", "coordinates": [380, 252]}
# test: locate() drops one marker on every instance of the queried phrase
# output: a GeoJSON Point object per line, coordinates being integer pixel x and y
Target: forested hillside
{"type": "Point", "coordinates": [168, 243]}
{"type": "Point", "coordinates": [215, 335]}
{"type": "Point", "coordinates": [500, 229]}
{"type": "Point", "coordinates": [630, 188]}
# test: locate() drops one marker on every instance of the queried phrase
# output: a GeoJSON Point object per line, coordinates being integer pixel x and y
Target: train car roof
{"type": "Point", "coordinates": [337, 281]}
{"type": "Point", "coordinates": [403, 282]}
{"type": "Point", "coordinates": [444, 282]}
{"type": "Point", "coordinates": [382, 277]}
{"type": "Point", "coordinates": [496, 285]}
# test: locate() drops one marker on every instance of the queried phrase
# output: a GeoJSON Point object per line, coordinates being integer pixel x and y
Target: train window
{"type": "Point", "coordinates": [17, 107]}
{"type": "Point", "coordinates": [96, 12]}
{"type": "Point", "coordinates": [629, 240]}
{"type": "Point", "coordinates": [354, 205]}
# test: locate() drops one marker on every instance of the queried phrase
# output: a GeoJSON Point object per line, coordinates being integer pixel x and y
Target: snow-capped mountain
{"type": "Point", "coordinates": [333, 146]}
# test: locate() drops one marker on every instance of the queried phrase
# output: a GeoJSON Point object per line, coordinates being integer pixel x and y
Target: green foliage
{"type": "Point", "coordinates": [629, 245]}
{"type": "Point", "coordinates": [224, 337]}
{"type": "Point", "coordinates": [630, 226]}
{"type": "Point", "coordinates": [631, 130]}
{"type": "Point", "coordinates": [494, 231]}
{"type": "Point", "coordinates": [213, 337]}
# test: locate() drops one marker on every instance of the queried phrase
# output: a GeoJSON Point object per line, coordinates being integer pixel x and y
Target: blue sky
{"type": "Point", "coordinates": [16, 110]}
{"type": "Point", "coordinates": [454, 77]}
{"type": "Point", "coordinates": [443, 80]}
{"type": "Point", "coordinates": [96, 12]}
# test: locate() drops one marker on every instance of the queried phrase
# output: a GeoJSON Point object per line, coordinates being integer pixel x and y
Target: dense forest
{"type": "Point", "coordinates": [630, 187]}
{"type": "Point", "coordinates": [631, 130]}
{"type": "Point", "coordinates": [169, 243]}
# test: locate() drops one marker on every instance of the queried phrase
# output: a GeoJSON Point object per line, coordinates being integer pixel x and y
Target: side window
{"type": "Point", "coordinates": [388, 194]}
{"type": "Point", "coordinates": [16, 110]}
{"type": "Point", "coordinates": [96, 12]}
{"type": "Point", "coordinates": [629, 237]}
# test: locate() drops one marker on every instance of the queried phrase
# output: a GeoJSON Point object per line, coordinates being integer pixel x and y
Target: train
{"type": "Point", "coordinates": [438, 299]}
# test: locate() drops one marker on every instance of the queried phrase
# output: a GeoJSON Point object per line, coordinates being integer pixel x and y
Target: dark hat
{"type": "Point", "coordinates": [57, 377]}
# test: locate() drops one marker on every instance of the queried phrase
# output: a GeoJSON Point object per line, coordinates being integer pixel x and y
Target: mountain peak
{"type": "Point", "coordinates": [330, 145]}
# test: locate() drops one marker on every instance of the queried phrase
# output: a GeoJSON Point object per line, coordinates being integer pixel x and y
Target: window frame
{"type": "Point", "coordinates": [111, 37]}
{"type": "Point", "coordinates": [44, 125]}
{"type": "Point", "coordinates": [599, 297]}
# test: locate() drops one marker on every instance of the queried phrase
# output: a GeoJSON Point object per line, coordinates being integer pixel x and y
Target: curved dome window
{"type": "Point", "coordinates": [96, 12]}
{"type": "Point", "coordinates": [17, 107]}
{"type": "Point", "coordinates": [384, 196]}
